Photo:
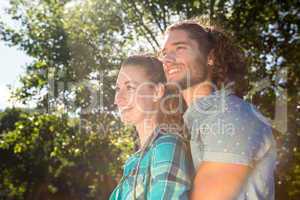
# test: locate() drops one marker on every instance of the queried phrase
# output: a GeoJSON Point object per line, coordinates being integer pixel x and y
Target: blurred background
{"type": "Point", "coordinates": [60, 136]}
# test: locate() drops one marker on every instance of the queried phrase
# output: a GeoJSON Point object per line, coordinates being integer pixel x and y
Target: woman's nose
{"type": "Point", "coordinates": [117, 99]}
{"type": "Point", "coordinates": [120, 99]}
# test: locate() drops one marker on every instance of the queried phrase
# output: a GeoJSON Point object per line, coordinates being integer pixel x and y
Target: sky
{"type": "Point", "coordinates": [12, 64]}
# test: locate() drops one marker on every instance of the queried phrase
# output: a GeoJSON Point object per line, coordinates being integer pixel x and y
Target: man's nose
{"type": "Point", "coordinates": [169, 58]}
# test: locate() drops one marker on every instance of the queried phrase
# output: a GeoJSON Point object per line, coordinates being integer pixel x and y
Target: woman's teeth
{"type": "Point", "coordinates": [124, 109]}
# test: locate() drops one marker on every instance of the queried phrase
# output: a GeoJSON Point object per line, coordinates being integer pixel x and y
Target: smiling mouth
{"type": "Point", "coordinates": [172, 71]}
{"type": "Point", "coordinates": [123, 110]}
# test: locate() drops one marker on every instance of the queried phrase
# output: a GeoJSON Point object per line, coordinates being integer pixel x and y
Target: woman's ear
{"type": "Point", "coordinates": [159, 91]}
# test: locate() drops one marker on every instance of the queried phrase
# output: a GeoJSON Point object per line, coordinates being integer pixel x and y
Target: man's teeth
{"type": "Point", "coordinates": [172, 71]}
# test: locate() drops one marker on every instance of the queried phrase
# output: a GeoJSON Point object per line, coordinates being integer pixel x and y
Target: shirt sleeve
{"type": "Point", "coordinates": [171, 170]}
{"type": "Point", "coordinates": [238, 136]}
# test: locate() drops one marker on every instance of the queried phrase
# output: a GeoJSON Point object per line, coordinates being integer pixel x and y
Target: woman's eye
{"type": "Point", "coordinates": [180, 47]}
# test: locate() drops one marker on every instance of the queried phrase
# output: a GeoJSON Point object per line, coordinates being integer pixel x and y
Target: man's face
{"type": "Point", "coordinates": [183, 62]}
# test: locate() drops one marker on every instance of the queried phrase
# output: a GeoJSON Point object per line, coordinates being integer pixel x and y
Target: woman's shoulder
{"type": "Point", "coordinates": [166, 146]}
{"type": "Point", "coordinates": [168, 137]}
{"type": "Point", "coordinates": [130, 163]}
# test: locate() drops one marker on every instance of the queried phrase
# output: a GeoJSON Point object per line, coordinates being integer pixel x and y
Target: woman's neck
{"type": "Point", "coordinates": [145, 130]}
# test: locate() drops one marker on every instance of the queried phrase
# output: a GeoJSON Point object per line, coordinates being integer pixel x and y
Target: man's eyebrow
{"type": "Point", "coordinates": [176, 43]}
{"type": "Point", "coordinates": [180, 42]}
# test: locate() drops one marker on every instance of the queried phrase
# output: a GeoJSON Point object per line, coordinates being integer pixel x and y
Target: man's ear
{"type": "Point", "coordinates": [210, 58]}
{"type": "Point", "coordinates": [159, 91]}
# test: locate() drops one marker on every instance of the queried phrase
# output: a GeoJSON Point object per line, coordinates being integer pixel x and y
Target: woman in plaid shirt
{"type": "Point", "coordinates": [162, 167]}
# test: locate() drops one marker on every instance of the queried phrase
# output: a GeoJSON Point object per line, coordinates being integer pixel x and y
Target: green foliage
{"type": "Point", "coordinates": [47, 151]}
{"type": "Point", "coordinates": [71, 46]}
{"type": "Point", "coordinates": [9, 118]}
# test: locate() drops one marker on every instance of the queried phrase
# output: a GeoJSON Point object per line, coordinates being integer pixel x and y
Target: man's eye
{"type": "Point", "coordinates": [162, 54]}
{"type": "Point", "coordinates": [129, 87]}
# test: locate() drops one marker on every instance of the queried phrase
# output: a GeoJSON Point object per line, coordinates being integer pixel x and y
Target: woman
{"type": "Point", "coordinates": [162, 167]}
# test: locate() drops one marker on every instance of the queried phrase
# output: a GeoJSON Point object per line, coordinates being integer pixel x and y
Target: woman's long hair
{"type": "Point", "coordinates": [171, 109]}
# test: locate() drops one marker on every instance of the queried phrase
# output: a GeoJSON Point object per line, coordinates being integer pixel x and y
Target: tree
{"type": "Point", "coordinates": [72, 63]}
{"type": "Point", "coordinates": [41, 154]}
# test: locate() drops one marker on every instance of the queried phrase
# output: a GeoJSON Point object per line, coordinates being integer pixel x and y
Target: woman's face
{"type": "Point", "coordinates": [135, 95]}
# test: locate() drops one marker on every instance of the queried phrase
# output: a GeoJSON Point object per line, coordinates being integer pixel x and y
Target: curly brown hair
{"type": "Point", "coordinates": [229, 65]}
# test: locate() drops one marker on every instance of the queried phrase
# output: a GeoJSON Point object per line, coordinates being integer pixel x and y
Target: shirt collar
{"type": "Point", "coordinates": [208, 104]}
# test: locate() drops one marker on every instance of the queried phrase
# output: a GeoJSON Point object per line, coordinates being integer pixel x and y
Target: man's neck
{"type": "Point", "coordinates": [197, 91]}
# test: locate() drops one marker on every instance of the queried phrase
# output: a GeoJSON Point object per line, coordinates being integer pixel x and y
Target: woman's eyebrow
{"type": "Point", "coordinates": [128, 82]}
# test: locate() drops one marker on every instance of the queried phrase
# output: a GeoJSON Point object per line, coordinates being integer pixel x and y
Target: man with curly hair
{"type": "Point", "coordinates": [232, 145]}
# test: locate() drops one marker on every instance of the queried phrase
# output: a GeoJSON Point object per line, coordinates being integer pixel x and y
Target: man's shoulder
{"type": "Point", "coordinates": [227, 113]}
{"type": "Point", "coordinates": [236, 133]}
{"type": "Point", "coordinates": [243, 113]}
{"type": "Point", "coordinates": [226, 107]}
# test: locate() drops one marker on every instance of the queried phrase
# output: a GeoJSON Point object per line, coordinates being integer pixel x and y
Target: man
{"type": "Point", "coordinates": [232, 145]}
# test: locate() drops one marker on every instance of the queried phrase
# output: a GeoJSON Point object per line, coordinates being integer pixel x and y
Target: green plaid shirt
{"type": "Point", "coordinates": [165, 171]}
